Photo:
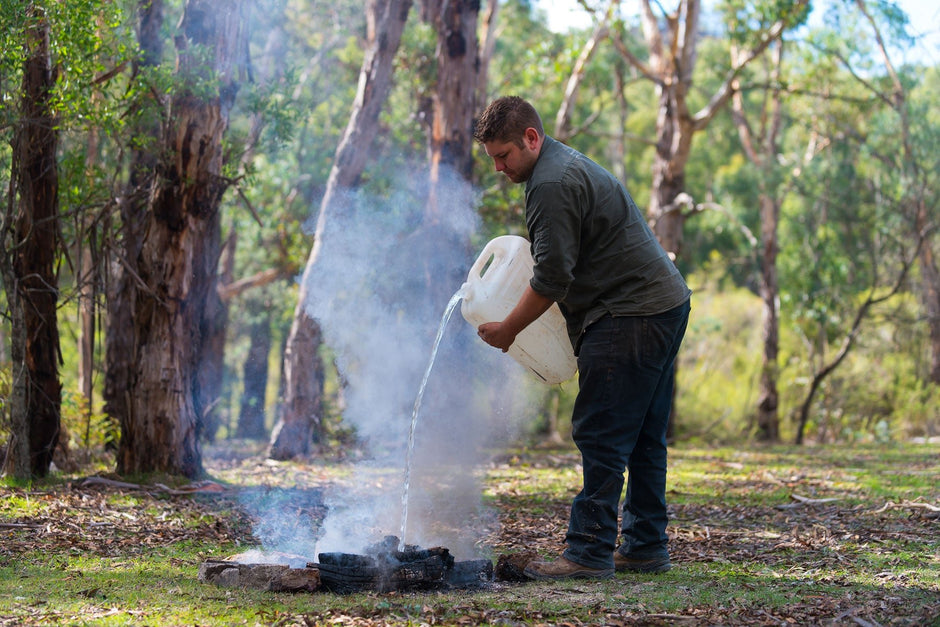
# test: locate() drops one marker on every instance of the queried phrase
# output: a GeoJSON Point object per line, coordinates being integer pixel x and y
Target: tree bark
{"type": "Point", "coordinates": [768, 400]}
{"type": "Point", "coordinates": [255, 372]}
{"type": "Point", "coordinates": [930, 292]}
{"type": "Point", "coordinates": [487, 46]}
{"type": "Point", "coordinates": [563, 117]}
{"type": "Point", "coordinates": [87, 278]}
{"type": "Point", "coordinates": [210, 373]}
{"type": "Point", "coordinates": [29, 264]}
{"type": "Point", "coordinates": [124, 281]}
{"type": "Point", "coordinates": [761, 147]}
{"type": "Point", "coordinates": [179, 256]}
{"type": "Point", "coordinates": [450, 141]}
{"type": "Point", "coordinates": [299, 423]}
{"type": "Point", "coordinates": [671, 67]}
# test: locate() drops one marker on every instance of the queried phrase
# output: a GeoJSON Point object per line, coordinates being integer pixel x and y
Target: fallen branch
{"type": "Point", "coordinates": [111, 483]}
{"type": "Point", "coordinates": [908, 504]}
{"type": "Point", "coordinates": [804, 500]}
{"type": "Point", "coordinates": [192, 488]}
{"type": "Point", "coordinates": [808, 501]}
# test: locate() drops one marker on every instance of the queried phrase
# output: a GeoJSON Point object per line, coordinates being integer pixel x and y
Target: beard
{"type": "Point", "coordinates": [522, 174]}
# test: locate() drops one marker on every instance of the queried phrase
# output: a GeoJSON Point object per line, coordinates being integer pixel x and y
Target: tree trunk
{"type": "Point", "coordinates": [563, 130]}
{"type": "Point", "coordinates": [486, 48]}
{"type": "Point", "coordinates": [29, 265]}
{"type": "Point", "coordinates": [930, 293]}
{"type": "Point", "coordinates": [210, 373]}
{"type": "Point", "coordinates": [761, 147]}
{"type": "Point", "coordinates": [87, 278]}
{"type": "Point", "coordinates": [768, 421]}
{"type": "Point", "coordinates": [255, 371]}
{"type": "Point", "coordinates": [450, 141]}
{"type": "Point", "coordinates": [674, 131]}
{"type": "Point", "coordinates": [299, 422]}
{"type": "Point", "coordinates": [123, 283]}
{"type": "Point", "coordinates": [179, 257]}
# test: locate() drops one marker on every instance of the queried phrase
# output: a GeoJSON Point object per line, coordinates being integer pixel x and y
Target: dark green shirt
{"type": "Point", "coordinates": [594, 253]}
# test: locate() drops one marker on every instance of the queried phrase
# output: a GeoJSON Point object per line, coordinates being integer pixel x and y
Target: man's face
{"type": "Point", "coordinates": [516, 162]}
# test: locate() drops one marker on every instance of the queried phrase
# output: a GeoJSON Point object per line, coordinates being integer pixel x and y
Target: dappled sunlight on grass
{"type": "Point", "coordinates": [772, 535]}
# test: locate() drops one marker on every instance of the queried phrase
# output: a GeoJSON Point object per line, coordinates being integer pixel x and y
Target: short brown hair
{"type": "Point", "coordinates": [506, 120]}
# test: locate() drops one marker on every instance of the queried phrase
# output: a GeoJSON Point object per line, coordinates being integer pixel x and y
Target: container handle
{"type": "Point", "coordinates": [485, 261]}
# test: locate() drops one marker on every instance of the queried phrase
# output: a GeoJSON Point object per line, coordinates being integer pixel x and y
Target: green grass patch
{"type": "Point", "coordinates": [860, 547]}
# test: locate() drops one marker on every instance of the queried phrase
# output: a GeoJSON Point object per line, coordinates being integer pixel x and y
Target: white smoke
{"type": "Point", "coordinates": [378, 289]}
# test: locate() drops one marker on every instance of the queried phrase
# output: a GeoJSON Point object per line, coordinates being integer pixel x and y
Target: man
{"type": "Point", "coordinates": [626, 308]}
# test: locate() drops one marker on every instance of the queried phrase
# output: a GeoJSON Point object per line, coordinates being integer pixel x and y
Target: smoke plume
{"type": "Point", "coordinates": [379, 288]}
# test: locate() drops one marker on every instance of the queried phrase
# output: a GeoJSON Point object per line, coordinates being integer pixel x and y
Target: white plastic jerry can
{"type": "Point", "coordinates": [495, 284]}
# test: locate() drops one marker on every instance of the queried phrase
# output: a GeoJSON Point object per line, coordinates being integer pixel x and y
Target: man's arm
{"type": "Point", "coordinates": [502, 334]}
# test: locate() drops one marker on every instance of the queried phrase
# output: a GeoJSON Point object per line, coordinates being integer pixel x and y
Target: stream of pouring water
{"type": "Point", "coordinates": [414, 414]}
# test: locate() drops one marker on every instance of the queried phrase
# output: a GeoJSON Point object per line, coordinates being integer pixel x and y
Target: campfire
{"type": "Point", "coordinates": [382, 568]}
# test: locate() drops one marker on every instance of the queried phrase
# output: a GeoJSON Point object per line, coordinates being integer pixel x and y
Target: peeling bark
{"type": "Point", "coordinates": [179, 256]}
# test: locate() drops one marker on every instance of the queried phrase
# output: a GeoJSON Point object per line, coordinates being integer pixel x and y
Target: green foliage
{"type": "Point", "coordinates": [88, 434]}
{"type": "Point", "coordinates": [880, 393]}
{"type": "Point", "coordinates": [5, 389]}
{"type": "Point", "coordinates": [716, 386]}
{"type": "Point", "coordinates": [747, 20]}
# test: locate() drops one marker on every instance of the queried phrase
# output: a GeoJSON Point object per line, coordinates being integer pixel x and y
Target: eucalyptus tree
{"type": "Point", "coordinates": [672, 39]}
{"type": "Point", "coordinates": [300, 415]}
{"type": "Point", "coordinates": [123, 283]}
{"type": "Point", "coordinates": [877, 170]}
{"type": "Point", "coordinates": [179, 251]}
{"type": "Point", "coordinates": [915, 162]}
{"type": "Point", "coordinates": [760, 135]}
{"type": "Point", "coordinates": [29, 235]}
{"type": "Point", "coordinates": [58, 61]}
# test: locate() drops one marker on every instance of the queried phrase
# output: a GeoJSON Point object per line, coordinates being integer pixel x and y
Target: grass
{"type": "Point", "coordinates": [745, 552]}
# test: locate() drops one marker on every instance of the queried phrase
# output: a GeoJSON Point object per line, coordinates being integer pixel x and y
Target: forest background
{"type": "Point", "coordinates": [247, 222]}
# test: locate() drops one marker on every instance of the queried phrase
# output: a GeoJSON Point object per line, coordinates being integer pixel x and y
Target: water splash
{"type": "Point", "coordinates": [417, 408]}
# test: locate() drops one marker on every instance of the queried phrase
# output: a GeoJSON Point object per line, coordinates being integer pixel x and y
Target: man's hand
{"type": "Point", "coordinates": [502, 334]}
{"type": "Point", "coordinates": [496, 334]}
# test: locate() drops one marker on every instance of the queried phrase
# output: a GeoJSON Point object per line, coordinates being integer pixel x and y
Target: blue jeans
{"type": "Point", "coordinates": [626, 377]}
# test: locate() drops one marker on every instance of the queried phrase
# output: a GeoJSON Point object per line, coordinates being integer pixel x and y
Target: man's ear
{"type": "Point", "coordinates": [532, 138]}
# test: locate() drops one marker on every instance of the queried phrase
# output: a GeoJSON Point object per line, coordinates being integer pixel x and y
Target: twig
{"type": "Point", "coordinates": [808, 501]}
{"type": "Point", "coordinates": [804, 500]}
{"type": "Point", "coordinates": [95, 480]}
{"type": "Point", "coordinates": [858, 621]}
{"type": "Point", "coordinates": [910, 504]}
{"type": "Point", "coordinates": [192, 488]}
